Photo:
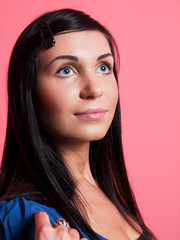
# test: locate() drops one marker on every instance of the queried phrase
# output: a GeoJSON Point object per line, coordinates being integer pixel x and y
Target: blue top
{"type": "Point", "coordinates": [17, 219]}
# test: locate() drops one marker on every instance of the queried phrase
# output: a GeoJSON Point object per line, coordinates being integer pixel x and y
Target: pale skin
{"type": "Point", "coordinates": [75, 76]}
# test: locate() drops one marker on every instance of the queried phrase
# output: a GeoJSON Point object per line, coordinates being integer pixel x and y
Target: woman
{"type": "Point", "coordinates": [63, 156]}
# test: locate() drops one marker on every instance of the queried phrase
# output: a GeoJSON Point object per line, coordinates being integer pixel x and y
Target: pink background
{"type": "Point", "coordinates": [148, 36]}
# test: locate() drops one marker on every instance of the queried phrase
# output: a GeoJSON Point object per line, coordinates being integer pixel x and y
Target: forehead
{"type": "Point", "coordinates": [83, 44]}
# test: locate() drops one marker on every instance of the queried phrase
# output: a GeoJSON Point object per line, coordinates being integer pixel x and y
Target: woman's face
{"type": "Point", "coordinates": [76, 91]}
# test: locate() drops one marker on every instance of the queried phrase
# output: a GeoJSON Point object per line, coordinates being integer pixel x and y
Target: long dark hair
{"type": "Point", "coordinates": [31, 164]}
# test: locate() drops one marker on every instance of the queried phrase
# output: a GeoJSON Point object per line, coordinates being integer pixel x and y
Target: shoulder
{"type": "Point", "coordinates": [17, 218]}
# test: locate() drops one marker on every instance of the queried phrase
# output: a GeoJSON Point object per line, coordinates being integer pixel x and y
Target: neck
{"type": "Point", "coordinates": [76, 157]}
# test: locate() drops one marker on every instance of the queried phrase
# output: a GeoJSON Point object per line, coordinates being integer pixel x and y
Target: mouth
{"type": "Point", "coordinates": [92, 114]}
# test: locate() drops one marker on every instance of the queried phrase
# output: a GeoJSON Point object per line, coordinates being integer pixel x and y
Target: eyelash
{"type": "Point", "coordinates": [108, 65]}
{"type": "Point", "coordinates": [62, 68]}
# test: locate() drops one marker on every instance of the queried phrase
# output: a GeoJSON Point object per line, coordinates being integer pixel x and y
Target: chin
{"type": "Point", "coordinates": [81, 135]}
{"type": "Point", "coordinates": [96, 136]}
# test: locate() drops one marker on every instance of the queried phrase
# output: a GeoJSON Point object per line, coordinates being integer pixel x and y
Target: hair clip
{"type": "Point", "coordinates": [46, 35]}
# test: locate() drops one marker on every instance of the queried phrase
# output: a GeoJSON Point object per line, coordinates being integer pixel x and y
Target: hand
{"type": "Point", "coordinates": [45, 231]}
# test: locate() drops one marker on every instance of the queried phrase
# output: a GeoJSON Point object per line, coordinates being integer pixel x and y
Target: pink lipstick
{"type": "Point", "coordinates": [92, 114]}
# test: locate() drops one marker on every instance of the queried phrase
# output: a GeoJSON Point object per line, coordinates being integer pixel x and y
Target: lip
{"type": "Point", "coordinates": [92, 113]}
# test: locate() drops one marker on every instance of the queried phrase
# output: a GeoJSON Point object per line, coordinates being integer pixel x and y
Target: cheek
{"type": "Point", "coordinates": [50, 104]}
{"type": "Point", "coordinates": [112, 93]}
{"type": "Point", "coordinates": [51, 99]}
{"type": "Point", "coordinates": [115, 93]}
{"type": "Point", "coordinates": [54, 107]}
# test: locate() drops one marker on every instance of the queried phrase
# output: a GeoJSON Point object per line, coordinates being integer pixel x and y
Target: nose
{"type": "Point", "coordinates": [91, 87]}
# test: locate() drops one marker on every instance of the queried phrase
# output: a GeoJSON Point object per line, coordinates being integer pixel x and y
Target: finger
{"type": "Point", "coordinates": [61, 232]}
{"type": "Point", "coordinates": [61, 228]}
{"type": "Point", "coordinates": [41, 219]}
{"type": "Point", "coordinates": [74, 233]}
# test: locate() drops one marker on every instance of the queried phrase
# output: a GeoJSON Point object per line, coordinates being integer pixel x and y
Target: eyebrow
{"type": "Point", "coordinates": [70, 57]}
{"type": "Point", "coordinates": [74, 58]}
{"type": "Point", "coordinates": [104, 56]}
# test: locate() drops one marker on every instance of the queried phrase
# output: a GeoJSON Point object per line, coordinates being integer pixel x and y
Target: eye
{"type": "Point", "coordinates": [104, 68]}
{"type": "Point", "coordinates": [65, 72]}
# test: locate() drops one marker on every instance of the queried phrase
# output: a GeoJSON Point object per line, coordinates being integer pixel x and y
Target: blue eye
{"type": "Point", "coordinates": [65, 72]}
{"type": "Point", "coordinates": [104, 68]}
